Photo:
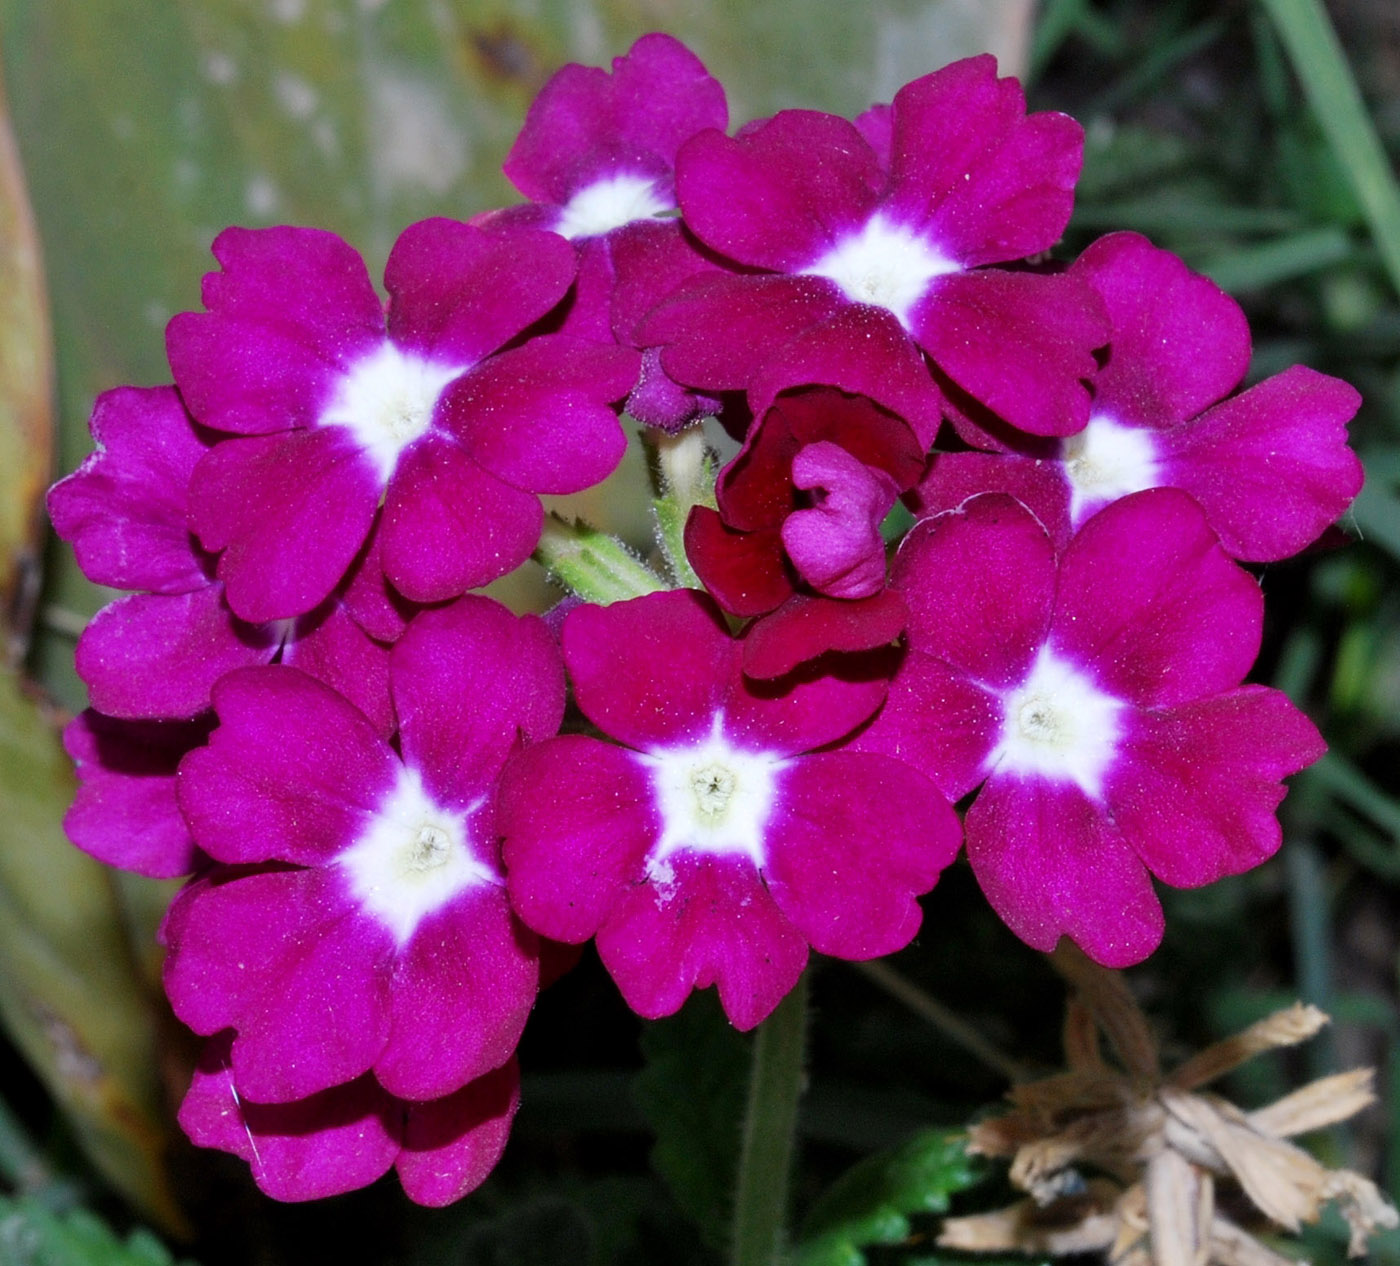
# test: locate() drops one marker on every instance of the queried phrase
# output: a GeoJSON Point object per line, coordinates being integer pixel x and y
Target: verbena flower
{"type": "Point", "coordinates": [435, 416]}
{"type": "Point", "coordinates": [157, 654]}
{"type": "Point", "coordinates": [349, 1135]}
{"type": "Point", "coordinates": [1270, 466]}
{"type": "Point", "coordinates": [1097, 697]}
{"type": "Point", "coordinates": [838, 237]}
{"type": "Point", "coordinates": [715, 845]}
{"type": "Point", "coordinates": [360, 922]}
{"type": "Point", "coordinates": [596, 157]}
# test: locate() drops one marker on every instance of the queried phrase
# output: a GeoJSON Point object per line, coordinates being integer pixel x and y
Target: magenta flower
{"type": "Point", "coordinates": [837, 236]}
{"type": "Point", "coordinates": [373, 931]}
{"type": "Point", "coordinates": [1270, 466]}
{"type": "Point", "coordinates": [1098, 698]}
{"type": "Point", "coordinates": [334, 413]}
{"type": "Point", "coordinates": [157, 654]}
{"type": "Point", "coordinates": [717, 845]}
{"type": "Point", "coordinates": [125, 812]}
{"type": "Point", "coordinates": [596, 158]}
{"type": "Point", "coordinates": [350, 1135]}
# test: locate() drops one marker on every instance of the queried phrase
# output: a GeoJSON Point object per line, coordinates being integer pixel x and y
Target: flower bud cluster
{"type": "Point", "coordinates": [358, 763]}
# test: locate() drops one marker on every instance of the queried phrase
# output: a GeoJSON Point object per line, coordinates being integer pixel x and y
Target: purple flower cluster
{"type": "Point", "coordinates": [359, 764]}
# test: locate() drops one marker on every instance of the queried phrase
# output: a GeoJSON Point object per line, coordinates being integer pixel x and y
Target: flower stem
{"type": "Point", "coordinates": [770, 1121]}
{"type": "Point", "coordinates": [684, 470]}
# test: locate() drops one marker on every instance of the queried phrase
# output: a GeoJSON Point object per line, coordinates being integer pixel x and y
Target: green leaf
{"type": "Point", "coordinates": [71, 997]}
{"type": "Point", "coordinates": [32, 1235]}
{"type": "Point", "coordinates": [26, 403]}
{"type": "Point", "coordinates": [692, 1093]}
{"type": "Point", "coordinates": [872, 1204]}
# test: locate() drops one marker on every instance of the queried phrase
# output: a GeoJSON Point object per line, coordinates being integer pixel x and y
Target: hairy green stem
{"type": "Point", "coordinates": [684, 470]}
{"type": "Point", "coordinates": [596, 566]}
{"type": "Point", "coordinates": [770, 1127]}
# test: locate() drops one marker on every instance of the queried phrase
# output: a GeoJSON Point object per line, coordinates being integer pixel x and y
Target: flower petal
{"type": "Point", "coordinates": [651, 671]}
{"type": "Point", "coordinates": [1180, 343]}
{"type": "Point", "coordinates": [1052, 865]}
{"type": "Point", "coordinates": [157, 656]}
{"type": "Point", "coordinates": [744, 571]}
{"type": "Point", "coordinates": [124, 508]}
{"type": "Point", "coordinates": [125, 812]}
{"type": "Point", "coordinates": [539, 416]}
{"type": "Point", "coordinates": [980, 583]}
{"type": "Point", "coordinates": [658, 95]}
{"type": "Point", "coordinates": [938, 721]}
{"type": "Point", "coordinates": [291, 308]}
{"type": "Point", "coordinates": [1020, 343]}
{"type": "Point", "coordinates": [777, 195]}
{"type": "Point", "coordinates": [807, 626]}
{"type": "Point", "coordinates": [459, 293]}
{"type": "Point", "coordinates": [449, 525]}
{"type": "Point", "coordinates": [717, 331]}
{"type": "Point", "coordinates": [471, 682]}
{"type": "Point", "coordinates": [462, 990]}
{"type": "Point", "coordinates": [1151, 601]}
{"type": "Point", "coordinates": [290, 512]}
{"type": "Point", "coordinates": [284, 958]}
{"type": "Point", "coordinates": [859, 837]}
{"type": "Point", "coordinates": [992, 184]}
{"type": "Point", "coordinates": [332, 1142]}
{"type": "Point", "coordinates": [292, 773]}
{"type": "Point", "coordinates": [451, 1144]}
{"type": "Point", "coordinates": [577, 820]}
{"type": "Point", "coordinates": [1271, 466]}
{"type": "Point", "coordinates": [1196, 787]}
{"type": "Point", "coordinates": [711, 923]}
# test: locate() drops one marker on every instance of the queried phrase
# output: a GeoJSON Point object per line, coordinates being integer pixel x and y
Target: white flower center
{"type": "Point", "coordinates": [412, 859]}
{"type": "Point", "coordinates": [883, 264]}
{"type": "Point", "coordinates": [386, 401]}
{"type": "Point", "coordinates": [1106, 461]}
{"type": "Point", "coordinates": [713, 798]}
{"type": "Point", "coordinates": [1058, 724]}
{"type": "Point", "coordinates": [609, 204]}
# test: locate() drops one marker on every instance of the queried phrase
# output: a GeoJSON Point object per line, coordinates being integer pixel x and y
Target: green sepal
{"type": "Point", "coordinates": [592, 564]}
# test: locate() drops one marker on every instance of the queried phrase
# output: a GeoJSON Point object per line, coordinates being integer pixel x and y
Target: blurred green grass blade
{"type": "Point", "coordinates": [1376, 510]}
{"type": "Point", "coordinates": [1164, 56]}
{"type": "Point", "coordinates": [1268, 263]}
{"type": "Point", "coordinates": [1320, 63]}
{"type": "Point", "coordinates": [1058, 21]}
{"type": "Point", "coordinates": [1348, 784]}
{"type": "Point", "coordinates": [1165, 213]}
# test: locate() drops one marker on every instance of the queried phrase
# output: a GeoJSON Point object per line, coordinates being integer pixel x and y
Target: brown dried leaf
{"type": "Point", "coordinates": [1281, 1179]}
{"type": "Point", "coordinates": [1362, 1205]}
{"type": "Point", "coordinates": [1284, 1028]}
{"type": "Point", "coordinates": [1320, 1103]}
{"type": "Point", "coordinates": [1231, 1245]}
{"type": "Point", "coordinates": [1107, 996]}
{"type": "Point", "coordinates": [1179, 1207]}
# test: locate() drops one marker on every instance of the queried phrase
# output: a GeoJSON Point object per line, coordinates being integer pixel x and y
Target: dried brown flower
{"type": "Point", "coordinates": [1157, 1146]}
